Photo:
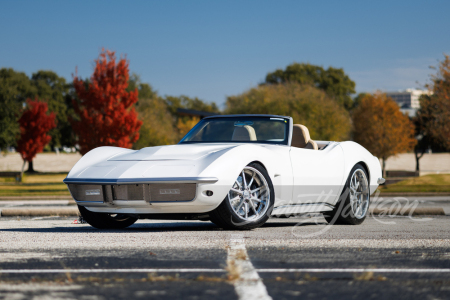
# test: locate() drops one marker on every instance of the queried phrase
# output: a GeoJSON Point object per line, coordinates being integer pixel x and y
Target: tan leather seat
{"type": "Point", "coordinates": [301, 138]}
{"type": "Point", "coordinates": [244, 133]}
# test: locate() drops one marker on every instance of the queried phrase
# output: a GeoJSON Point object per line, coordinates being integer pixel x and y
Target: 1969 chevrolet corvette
{"type": "Point", "coordinates": [234, 170]}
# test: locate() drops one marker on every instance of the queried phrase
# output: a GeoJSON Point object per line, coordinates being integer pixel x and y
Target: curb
{"type": "Point", "coordinates": [39, 212]}
{"type": "Point", "coordinates": [409, 194]}
{"type": "Point", "coordinates": [11, 198]}
{"type": "Point", "coordinates": [420, 211]}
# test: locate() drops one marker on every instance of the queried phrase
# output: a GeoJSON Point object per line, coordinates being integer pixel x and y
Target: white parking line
{"type": "Point", "coordinates": [248, 284]}
{"type": "Point", "coordinates": [250, 275]}
{"type": "Point", "coordinates": [11, 271]}
{"type": "Point", "coordinates": [337, 270]}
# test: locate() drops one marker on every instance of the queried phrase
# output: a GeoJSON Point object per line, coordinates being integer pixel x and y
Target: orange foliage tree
{"type": "Point", "coordinates": [34, 123]}
{"type": "Point", "coordinates": [105, 109]}
{"type": "Point", "coordinates": [381, 127]}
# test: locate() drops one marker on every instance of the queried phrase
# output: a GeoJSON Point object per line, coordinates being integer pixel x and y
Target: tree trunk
{"type": "Point", "coordinates": [384, 167]}
{"type": "Point", "coordinates": [418, 157]}
{"type": "Point", "coordinates": [30, 167]}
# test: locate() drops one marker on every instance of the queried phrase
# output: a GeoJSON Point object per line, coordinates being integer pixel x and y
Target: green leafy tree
{"type": "Point", "coordinates": [307, 105]}
{"type": "Point", "coordinates": [54, 90]}
{"type": "Point", "coordinates": [144, 89]}
{"type": "Point", "coordinates": [173, 103]}
{"type": "Point", "coordinates": [182, 124]}
{"type": "Point", "coordinates": [15, 88]}
{"type": "Point", "coordinates": [333, 81]}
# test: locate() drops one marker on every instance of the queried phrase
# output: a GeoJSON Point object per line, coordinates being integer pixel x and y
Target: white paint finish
{"type": "Point", "coordinates": [172, 152]}
{"type": "Point", "coordinates": [249, 285]}
{"type": "Point", "coordinates": [317, 172]}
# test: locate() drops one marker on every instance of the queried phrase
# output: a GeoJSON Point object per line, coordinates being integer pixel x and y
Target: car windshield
{"type": "Point", "coordinates": [269, 130]}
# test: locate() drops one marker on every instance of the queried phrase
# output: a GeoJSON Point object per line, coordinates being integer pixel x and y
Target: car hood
{"type": "Point", "coordinates": [172, 152]}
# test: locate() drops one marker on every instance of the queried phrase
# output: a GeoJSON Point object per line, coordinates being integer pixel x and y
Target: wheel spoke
{"type": "Point", "coordinates": [253, 207]}
{"type": "Point", "coordinates": [246, 210]}
{"type": "Point", "coordinates": [235, 198]}
{"type": "Point", "coordinates": [237, 191]}
{"type": "Point", "coordinates": [240, 205]}
{"type": "Point", "coordinates": [243, 179]}
{"type": "Point", "coordinates": [239, 185]}
{"type": "Point", "coordinates": [251, 180]}
{"type": "Point", "coordinates": [255, 190]}
{"type": "Point", "coordinates": [255, 199]}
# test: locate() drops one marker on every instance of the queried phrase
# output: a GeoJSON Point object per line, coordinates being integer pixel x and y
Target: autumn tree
{"type": "Point", "coordinates": [433, 117]}
{"type": "Point", "coordinates": [381, 127]}
{"type": "Point", "coordinates": [307, 105]}
{"type": "Point", "coordinates": [35, 123]}
{"type": "Point", "coordinates": [333, 81]}
{"type": "Point", "coordinates": [104, 108]}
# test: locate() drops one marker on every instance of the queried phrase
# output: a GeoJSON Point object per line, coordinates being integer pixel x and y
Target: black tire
{"type": "Point", "coordinates": [106, 221]}
{"type": "Point", "coordinates": [342, 213]}
{"type": "Point", "coordinates": [225, 217]}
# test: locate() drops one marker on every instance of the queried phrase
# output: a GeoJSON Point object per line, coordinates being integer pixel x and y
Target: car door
{"type": "Point", "coordinates": [318, 174]}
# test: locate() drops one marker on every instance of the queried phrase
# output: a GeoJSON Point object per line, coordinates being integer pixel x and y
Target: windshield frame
{"type": "Point", "coordinates": [286, 142]}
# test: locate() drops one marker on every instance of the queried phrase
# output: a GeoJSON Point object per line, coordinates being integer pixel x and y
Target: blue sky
{"type": "Point", "coordinates": [211, 49]}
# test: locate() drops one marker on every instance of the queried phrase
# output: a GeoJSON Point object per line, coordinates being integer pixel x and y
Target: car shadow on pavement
{"type": "Point", "coordinates": [151, 227]}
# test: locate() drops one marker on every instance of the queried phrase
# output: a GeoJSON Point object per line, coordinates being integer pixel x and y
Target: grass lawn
{"type": "Point", "coordinates": [426, 183]}
{"type": "Point", "coordinates": [39, 184]}
{"type": "Point", "coordinates": [50, 184]}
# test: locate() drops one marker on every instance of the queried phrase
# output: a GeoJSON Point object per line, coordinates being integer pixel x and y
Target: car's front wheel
{"type": "Point", "coordinates": [249, 202]}
{"type": "Point", "coordinates": [106, 221]}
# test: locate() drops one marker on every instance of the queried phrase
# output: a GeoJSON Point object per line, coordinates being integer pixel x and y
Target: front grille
{"type": "Point", "coordinates": [86, 192]}
{"type": "Point", "coordinates": [128, 192]}
{"type": "Point", "coordinates": [167, 192]}
{"type": "Point", "coordinates": [154, 192]}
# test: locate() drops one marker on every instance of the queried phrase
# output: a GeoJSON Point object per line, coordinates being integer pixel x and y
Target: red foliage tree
{"type": "Point", "coordinates": [34, 123]}
{"type": "Point", "coordinates": [104, 107]}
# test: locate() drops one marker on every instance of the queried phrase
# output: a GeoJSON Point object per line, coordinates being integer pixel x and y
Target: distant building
{"type": "Point", "coordinates": [408, 100]}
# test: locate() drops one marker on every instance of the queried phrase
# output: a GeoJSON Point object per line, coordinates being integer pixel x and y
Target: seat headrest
{"type": "Point", "coordinates": [300, 136]}
{"type": "Point", "coordinates": [244, 133]}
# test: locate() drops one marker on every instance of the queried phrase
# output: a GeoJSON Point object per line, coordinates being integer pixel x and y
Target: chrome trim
{"type": "Point", "coordinates": [246, 115]}
{"type": "Point", "coordinates": [141, 180]}
{"type": "Point", "coordinates": [381, 180]}
{"type": "Point", "coordinates": [305, 204]}
{"type": "Point", "coordinates": [89, 202]}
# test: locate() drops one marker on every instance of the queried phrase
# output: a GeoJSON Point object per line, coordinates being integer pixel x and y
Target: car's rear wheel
{"type": "Point", "coordinates": [106, 221]}
{"type": "Point", "coordinates": [249, 202]}
{"type": "Point", "coordinates": [353, 208]}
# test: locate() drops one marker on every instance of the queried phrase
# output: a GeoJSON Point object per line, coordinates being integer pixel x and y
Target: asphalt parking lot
{"type": "Point", "coordinates": [401, 257]}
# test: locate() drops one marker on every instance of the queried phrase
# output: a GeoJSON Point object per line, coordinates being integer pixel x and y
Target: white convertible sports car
{"type": "Point", "coordinates": [234, 170]}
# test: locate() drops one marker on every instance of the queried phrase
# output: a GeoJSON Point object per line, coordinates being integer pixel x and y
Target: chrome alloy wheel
{"type": "Point", "coordinates": [250, 195]}
{"type": "Point", "coordinates": [359, 194]}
